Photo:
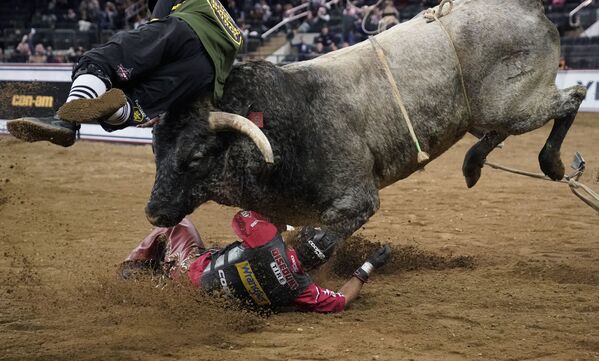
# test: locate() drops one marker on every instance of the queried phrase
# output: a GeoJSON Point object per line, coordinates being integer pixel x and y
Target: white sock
{"type": "Point", "coordinates": [86, 86]}
{"type": "Point", "coordinates": [120, 116]}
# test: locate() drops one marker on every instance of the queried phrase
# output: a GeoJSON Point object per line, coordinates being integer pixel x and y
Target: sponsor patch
{"type": "Point", "coordinates": [139, 116]}
{"type": "Point", "coordinates": [282, 266]}
{"type": "Point", "coordinates": [257, 118]}
{"type": "Point", "coordinates": [223, 281]}
{"type": "Point", "coordinates": [294, 265]}
{"type": "Point", "coordinates": [251, 284]}
{"type": "Point", "coordinates": [317, 250]}
{"type": "Point", "coordinates": [278, 274]}
{"type": "Point", "coordinates": [226, 22]}
{"type": "Point", "coordinates": [123, 73]}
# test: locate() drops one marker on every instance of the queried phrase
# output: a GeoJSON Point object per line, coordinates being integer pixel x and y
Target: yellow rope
{"type": "Point", "coordinates": [422, 156]}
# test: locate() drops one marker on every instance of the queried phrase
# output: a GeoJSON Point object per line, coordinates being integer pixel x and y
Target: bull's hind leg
{"type": "Point", "coordinates": [561, 106]}
{"type": "Point", "coordinates": [549, 157]}
{"type": "Point", "coordinates": [475, 157]}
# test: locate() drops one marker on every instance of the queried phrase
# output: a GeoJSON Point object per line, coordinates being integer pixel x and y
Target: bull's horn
{"type": "Point", "coordinates": [223, 121]}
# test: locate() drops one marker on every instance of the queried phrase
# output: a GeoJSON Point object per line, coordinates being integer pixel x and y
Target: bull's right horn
{"type": "Point", "coordinates": [225, 121]}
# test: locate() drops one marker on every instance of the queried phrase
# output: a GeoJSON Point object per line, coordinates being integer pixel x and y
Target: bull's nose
{"type": "Point", "coordinates": [160, 219]}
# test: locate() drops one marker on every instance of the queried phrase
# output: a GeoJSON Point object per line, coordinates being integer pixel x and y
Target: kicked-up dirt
{"type": "Point", "coordinates": [508, 270]}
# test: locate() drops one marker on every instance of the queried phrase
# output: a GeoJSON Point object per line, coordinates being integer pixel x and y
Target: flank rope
{"type": "Point", "coordinates": [591, 198]}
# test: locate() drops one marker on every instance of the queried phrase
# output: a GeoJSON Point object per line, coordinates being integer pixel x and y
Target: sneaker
{"type": "Point", "coordinates": [51, 129]}
{"type": "Point", "coordinates": [93, 110]}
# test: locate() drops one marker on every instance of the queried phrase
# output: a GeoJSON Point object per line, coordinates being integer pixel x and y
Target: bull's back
{"type": "Point", "coordinates": [506, 48]}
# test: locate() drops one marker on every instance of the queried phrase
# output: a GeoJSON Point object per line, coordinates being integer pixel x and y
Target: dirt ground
{"type": "Point", "coordinates": [508, 270]}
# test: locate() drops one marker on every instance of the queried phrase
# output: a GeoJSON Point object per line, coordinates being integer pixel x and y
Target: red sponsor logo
{"type": "Point", "coordinates": [284, 269]}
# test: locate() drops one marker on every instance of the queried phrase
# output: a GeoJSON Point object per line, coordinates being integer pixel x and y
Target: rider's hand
{"type": "Point", "coordinates": [379, 257]}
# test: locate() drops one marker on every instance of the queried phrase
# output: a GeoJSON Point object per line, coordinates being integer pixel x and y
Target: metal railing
{"type": "Point", "coordinates": [573, 17]}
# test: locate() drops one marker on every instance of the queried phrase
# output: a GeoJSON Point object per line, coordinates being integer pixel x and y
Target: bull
{"type": "Point", "coordinates": [334, 132]}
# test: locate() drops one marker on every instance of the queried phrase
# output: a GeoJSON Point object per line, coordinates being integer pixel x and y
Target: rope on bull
{"type": "Point", "coordinates": [433, 14]}
{"type": "Point", "coordinates": [378, 49]}
{"type": "Point", "coordinates": [591, 198]}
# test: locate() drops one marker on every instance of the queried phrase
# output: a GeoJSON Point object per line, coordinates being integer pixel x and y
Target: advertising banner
{"type": "Point", "coordinates": [587, 78]}
{"type": "Point", "coordinates": [39, 90]}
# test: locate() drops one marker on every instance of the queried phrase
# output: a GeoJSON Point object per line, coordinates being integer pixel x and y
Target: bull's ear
{"type": "Point", "coordinates": [229, 121]}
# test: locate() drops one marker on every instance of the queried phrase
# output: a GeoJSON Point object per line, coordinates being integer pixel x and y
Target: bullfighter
{"type": "Point", "coordinates": [186, 51]}
{"type": "Point", "coordinates": [260, 269]}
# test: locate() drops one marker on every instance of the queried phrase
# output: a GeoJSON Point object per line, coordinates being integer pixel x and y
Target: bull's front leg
{"type": "Point", "coordinates": [476, 156]}
{"type": "Point", "coordinates": [349, 212]}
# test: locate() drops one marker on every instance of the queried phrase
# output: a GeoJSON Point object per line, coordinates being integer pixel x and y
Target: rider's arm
{"type": "Point", "coordinates": [318, 299]}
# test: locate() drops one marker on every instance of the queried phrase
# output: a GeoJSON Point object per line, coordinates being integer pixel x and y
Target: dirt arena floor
{"type": "Point", "coordinates": [508, 270]}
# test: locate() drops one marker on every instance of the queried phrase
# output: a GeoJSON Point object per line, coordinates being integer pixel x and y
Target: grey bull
{"type": "Point", "coordinates": [335, 134]}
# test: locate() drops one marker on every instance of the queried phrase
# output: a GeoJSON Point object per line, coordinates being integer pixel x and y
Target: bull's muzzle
{"type": "Point", "coordinates": [160, 217]}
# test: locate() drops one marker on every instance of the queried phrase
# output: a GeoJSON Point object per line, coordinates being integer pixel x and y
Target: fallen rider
{"type": "Point", "coordinates": [259, 269]}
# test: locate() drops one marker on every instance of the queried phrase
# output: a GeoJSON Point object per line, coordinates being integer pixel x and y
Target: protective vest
{"type": "Point", "coordinates": [218, 33]}
{"type": "Point", "coordinates": [262, 275]}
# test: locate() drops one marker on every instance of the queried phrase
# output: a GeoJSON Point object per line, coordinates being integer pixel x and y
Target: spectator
{"type": "Point", "coordinates": [390, 16]}
{"type": "Point", "coordinates": [84, 23]}
{"type": "Point", "coordinates": [39, 56]}
{"type": "Point", "coordinates": [563, 65]}
{"type": "Point", "coordinates": [91, 9]}
{"type": "Point", "coordinates": [71, 19]}
{"type": "Point", "coordinates": [50, 57]}
{"type": "Point", "coordinates": [75, 54]}
{"type": "Point", "coordinates": [348, 23]}
{"type": "Point", "coordinates": [303, 50]}
{"type": "Point", "coordinates": [23, 47]}
{"type": "Point", "coordinates": [108, 17]}
{"type": "Point", "coordinates": [317, 50]}
{"type": "Point", "coordinates": [1, 55]}
{"type": "Point", "coordinates": [326, 39]}
{"type": "Point", "coordinates": [234, 10]}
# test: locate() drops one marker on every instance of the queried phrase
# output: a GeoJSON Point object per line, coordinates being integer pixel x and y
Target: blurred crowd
{"type": "Point", "coordinates": [88, 23]}
{"type": "Point", "coordinates": [338, 22]}
{"type": "Point", "coordinates": [89, 19]}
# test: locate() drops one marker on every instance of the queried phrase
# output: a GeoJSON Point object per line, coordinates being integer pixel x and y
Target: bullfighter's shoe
{"type": "Point", "coordinates": [51, 129]}
{"type": "Point", "coordinates": [93, 110]}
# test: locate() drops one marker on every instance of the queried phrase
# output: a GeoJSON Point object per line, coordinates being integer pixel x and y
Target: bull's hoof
{"type": "Point", "coordinates": [473, 164]}
{"type": "Point", "coordinates": [551, 164]}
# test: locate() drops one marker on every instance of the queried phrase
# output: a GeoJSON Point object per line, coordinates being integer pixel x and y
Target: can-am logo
{"type": "Point", "coordinates": [283, 269]}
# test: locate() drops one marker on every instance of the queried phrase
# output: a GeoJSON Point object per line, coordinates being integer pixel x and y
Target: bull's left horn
{"type": "Point", "coordinates": [224, 121]}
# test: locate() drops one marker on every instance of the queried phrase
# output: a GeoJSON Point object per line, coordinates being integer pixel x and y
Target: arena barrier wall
{"type": "Point", "coordinates": [38, 90]}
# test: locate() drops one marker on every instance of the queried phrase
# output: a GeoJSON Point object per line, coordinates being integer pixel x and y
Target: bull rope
{"type": "Point", "coordinates": [431, 15]}
{"type": "Point", "coordinates": [378, 49]}
{"type": "Point", "coordinates": [591, 199]}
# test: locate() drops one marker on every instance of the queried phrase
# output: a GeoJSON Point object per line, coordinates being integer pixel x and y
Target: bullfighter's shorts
{"type": "Point", "coordinates": [160, 66]}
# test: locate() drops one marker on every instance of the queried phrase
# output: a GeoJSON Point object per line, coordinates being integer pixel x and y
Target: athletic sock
{"type": "Point", "coordinates": [86, 86]}
{"type": "Point", "coordinates": [121, 116]}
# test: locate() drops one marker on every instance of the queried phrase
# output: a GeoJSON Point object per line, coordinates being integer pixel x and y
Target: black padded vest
{"type": "Point", "coordinates": [264, 275]}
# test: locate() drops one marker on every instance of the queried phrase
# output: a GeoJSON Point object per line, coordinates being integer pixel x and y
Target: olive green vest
{"type": "Point", "coordinates": [217, 32]}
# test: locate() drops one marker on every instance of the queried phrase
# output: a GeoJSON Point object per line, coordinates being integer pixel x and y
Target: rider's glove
{"type": "Point", "coordinates": [376, 260]}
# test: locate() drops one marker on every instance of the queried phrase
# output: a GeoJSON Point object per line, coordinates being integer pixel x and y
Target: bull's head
{"type": "Point", "coordinates": [189, 152]}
